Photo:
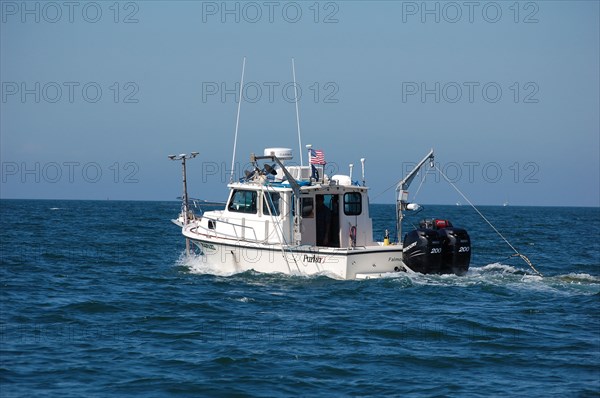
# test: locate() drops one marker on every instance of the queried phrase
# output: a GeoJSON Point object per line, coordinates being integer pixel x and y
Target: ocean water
{"type": "Point", "coordinates": [97, 300]}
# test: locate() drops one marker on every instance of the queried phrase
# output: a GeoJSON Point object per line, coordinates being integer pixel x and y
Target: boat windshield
{"type": "Point", "coordinates": [243, 201]}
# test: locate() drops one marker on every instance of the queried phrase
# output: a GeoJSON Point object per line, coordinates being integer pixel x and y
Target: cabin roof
{"type": "Point", "coordinates": [313, 187]}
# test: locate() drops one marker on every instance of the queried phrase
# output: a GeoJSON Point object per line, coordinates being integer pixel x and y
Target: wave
{"type": "Point", "coordinates": [494, 274]}
{"type": "Point", "coordinates": [495, 267]}
{"type": "Point", "coordinates": [506, 276]}
{"type": "Point", "coordinates": [579, 277]}
{"type": "Point", "coordinates": [196, 265]}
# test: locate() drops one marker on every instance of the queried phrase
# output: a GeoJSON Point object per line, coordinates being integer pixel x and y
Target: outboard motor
{"type": "Point", "coordinates": [422, 251]}
{"type": "Point", "coordinates": [437, 248]}
{"type": "Point", "coordinates": [456, 250]}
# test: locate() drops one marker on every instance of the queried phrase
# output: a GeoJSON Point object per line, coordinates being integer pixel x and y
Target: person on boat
{"type": "Point", "coordinates": [323, 221]}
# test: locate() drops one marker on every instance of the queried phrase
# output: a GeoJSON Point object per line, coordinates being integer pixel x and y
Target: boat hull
{"type": "Point", "coordinates": [229, 257]}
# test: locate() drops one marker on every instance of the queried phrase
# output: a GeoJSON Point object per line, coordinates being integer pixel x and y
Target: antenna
{"type": "Point", "coordinates": [185, 201]}
{"type": "Point", "coordinates": [351, 167]}
{"type": "Point", "coordinates": [237, 120]}
{"type": "Point", "coordinates": [297, 114]}
{"type": "Point", "coordinates": [362, 162]}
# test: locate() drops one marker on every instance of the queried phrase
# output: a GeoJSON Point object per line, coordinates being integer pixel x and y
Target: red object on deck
{"type": "Point", "coordinates": [440, 224]}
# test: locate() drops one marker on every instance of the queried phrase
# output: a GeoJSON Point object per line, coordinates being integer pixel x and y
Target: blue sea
{"type": "Point", "coordinates": [98, 300]}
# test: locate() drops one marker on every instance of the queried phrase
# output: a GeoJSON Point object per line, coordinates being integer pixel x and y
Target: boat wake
{"type": "Point", "coordinates": [503, 269]}
{"type": "Point", "coordinates": [502, 275]}
{"type": "Point", "coordinates": [196, 265]}
{"type": "Point", "coordinates": [496, 274]}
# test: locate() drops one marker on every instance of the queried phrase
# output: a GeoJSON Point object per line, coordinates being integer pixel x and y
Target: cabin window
{"type": "Point", "coordinates": [307, 208]}
{"type": "Point", "coordinates": [352, 203]}
{"type": "Point", "coordinates": [271, 203]}
{"type": "Point", "coordinates": [243, 202]}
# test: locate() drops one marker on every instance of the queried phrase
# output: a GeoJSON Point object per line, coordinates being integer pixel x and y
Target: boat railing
{"type": "Point", "coordinates": [234, 235]}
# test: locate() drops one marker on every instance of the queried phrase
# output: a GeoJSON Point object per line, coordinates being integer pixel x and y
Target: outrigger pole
{"type": "Point", "coordinates": [402, 193]}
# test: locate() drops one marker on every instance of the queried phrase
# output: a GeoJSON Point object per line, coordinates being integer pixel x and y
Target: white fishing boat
{"type": "Point", "coordinates": [259, 228]}
{"type": "Point", "coordinates": [292, 219]}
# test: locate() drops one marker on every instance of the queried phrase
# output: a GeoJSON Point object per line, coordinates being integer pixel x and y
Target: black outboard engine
{"type": "Point", "coordinates": [437, 247]}
{"type": "Point", "coordinates": [456, 250]}
{"type": "Point", "coordinates": [422, 251]}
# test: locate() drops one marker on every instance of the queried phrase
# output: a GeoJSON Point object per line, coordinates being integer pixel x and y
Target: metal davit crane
{"type": "Point", "coordinates": [402, 202]}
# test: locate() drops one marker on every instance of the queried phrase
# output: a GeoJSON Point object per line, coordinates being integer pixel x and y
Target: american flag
{"type": "Point", "coordinates": [317, 157]}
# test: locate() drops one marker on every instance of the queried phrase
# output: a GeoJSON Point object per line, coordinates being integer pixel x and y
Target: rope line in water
{"type": "Point", "coordinates": [522, 256]}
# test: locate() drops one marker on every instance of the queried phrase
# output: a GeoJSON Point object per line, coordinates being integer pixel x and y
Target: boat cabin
{"type": "Point", "coordinates": [261, 208]}
{"type": "Point", "coordinates": [333, 215]}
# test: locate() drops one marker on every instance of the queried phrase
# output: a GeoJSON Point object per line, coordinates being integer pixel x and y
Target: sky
{"type": "Point", "coordinates": [95, 95]}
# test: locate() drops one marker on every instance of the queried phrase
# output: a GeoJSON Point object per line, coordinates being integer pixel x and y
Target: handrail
{"type": "Point", "coordinates": [226, 234]}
